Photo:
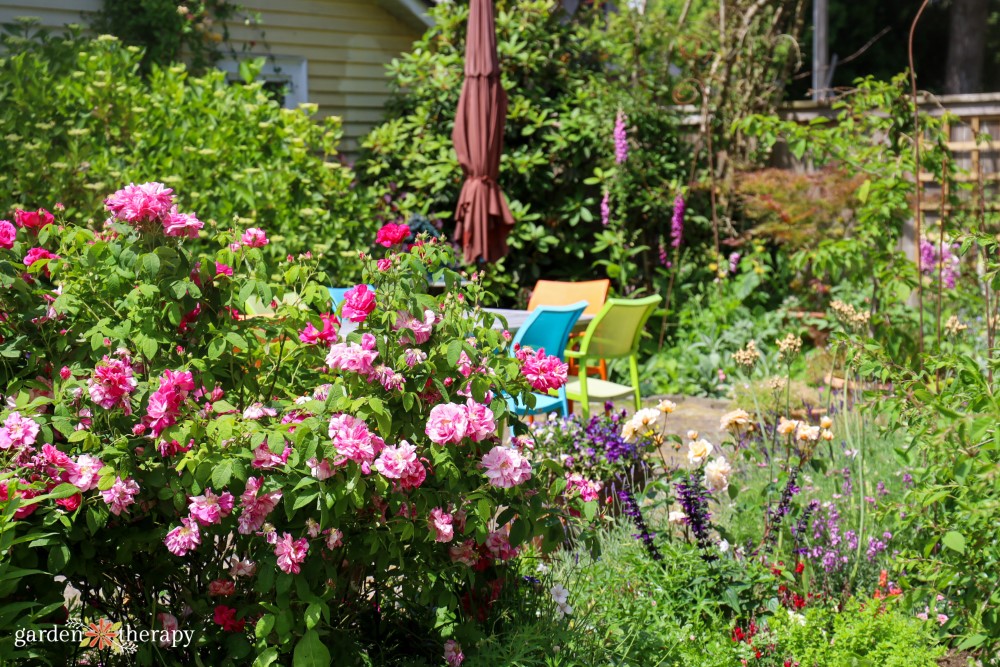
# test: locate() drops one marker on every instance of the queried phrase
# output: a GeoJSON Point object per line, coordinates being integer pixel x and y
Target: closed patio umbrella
{"type": "Point", "coordinates": [482, 216]}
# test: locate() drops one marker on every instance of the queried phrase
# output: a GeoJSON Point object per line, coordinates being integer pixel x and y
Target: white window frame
{"type": "Point", "coordinates": [293, 71]}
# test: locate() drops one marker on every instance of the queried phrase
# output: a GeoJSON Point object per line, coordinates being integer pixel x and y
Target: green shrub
{"type": "Point", "coordinates": [873, 633]}
{"type": "Point", "coordinates": [78, 120]}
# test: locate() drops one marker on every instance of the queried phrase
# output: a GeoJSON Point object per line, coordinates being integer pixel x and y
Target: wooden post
{"type": "Point", "coordinates": [821, 49]}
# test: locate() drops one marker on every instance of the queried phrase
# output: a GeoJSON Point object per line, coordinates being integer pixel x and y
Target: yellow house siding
{"type": "Point", "coordinates": [346, 44]}
{"type": "Point", "coordinates": [52, 13]}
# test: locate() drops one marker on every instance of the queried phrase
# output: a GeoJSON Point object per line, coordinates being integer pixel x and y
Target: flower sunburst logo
{"type": "Point", "coordinates": [101, 635]}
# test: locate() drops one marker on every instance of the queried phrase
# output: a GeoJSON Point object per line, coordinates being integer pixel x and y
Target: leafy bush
{"type": "Point", "coordinates": [873, 632]}
{"type": "Point", "coordinates": [78, 119]}
{"type": "Point", "coordinates": [280, 486]}
{"type": "Point", "coordinates": [559, 75]}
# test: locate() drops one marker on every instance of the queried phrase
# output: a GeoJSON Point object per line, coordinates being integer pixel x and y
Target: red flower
{"type": "Point", "coordinates": [33, 219]}
{"type": "Point", "coordinates": [225, 617]}
{"type": "Point", "coordinates": [391, 234]}
{"type": "Point", "coordinates": [799, 567]}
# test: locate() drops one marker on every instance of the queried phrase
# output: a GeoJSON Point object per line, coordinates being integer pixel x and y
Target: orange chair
{"type": "Point", "coordinates": [561, 293]}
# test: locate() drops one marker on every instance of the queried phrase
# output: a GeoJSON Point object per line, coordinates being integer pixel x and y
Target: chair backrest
{"type": "Point", "coordinates": [337, 294]}
{"type": "Point", "coordinates": [549, 327]}
{"type": "Point", "coordinates": [616, 330]}
{"type": "Point", "coordinates": [559, 293]}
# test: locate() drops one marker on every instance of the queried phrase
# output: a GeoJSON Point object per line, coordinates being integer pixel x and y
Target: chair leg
{"type": "Point", "coordinates": [584, 399]}
{"type": "Point", "coordinates": [633, 363]}
{"type": "Point", "coordinates": [604, 370]}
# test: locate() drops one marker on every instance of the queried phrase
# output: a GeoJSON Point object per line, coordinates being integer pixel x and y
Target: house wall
{"type": "Point", "coordinates": [53, 13]}
{"type": "Point", "coordinates": [346, 44]}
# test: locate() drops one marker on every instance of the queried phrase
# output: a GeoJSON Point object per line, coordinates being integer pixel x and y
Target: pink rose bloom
{"type": "Point", "coordinates": [505, 467]}
{"type": "Point", "coordinates": [389, 379]}
{"type": "Point", "coordinates": [256, 506]}
{"type": "Point", "coordinates": [136, 204]}
{"type": "Point", "coordinates": [121, 494]}
{"type": "Point", "coordinates": [481, 422]}
{"type": "Point", "coordinates": [65, 373]}
{"type": "Point", "coordinates": [291, 553]}
{"type": "Point", "coordinates": [401, 463]}
{"type": "Point", "coordinates": [181, 224]}
{"type": "Point", "coordinates": [393, 461]}
{"type": "Point", "coordinates": [390, 234]}
{"type": "Point", "coordinates": [453, 653]}
{"type": "Point", "coordinates": [352, 357]}
{"type": "Point", "coordinates": [223, 269]}
{"type": "Point", "coordinates": [38, 255]}
{"type": "Point", "coordinates": [265, 459]}
{"type": "Point", "coordinates": [384, 264]}
{"type": "Point", "coordinates": [221, 587]}
{"type": "Point", "coordinates": [447, 423]}
{"type": "Point", "coordinates": [84, 475]}
{"type": "Point", "coordinates": [328, 335]}
{"type": "Point", "coordinates": [499, 545]}
{"type": "Point", "coordinates": [33, 219]}
{"type": "Point", "coordinates": [209, 508]}
{"type": "Point", "coordinates": [258, 411]}
{"type": "Point", "coordinates": [359, 302]}
{"type": "Point", "coordinates": [242, 568]}
{"type": "Point", "coordinates": [112, 383]}
{"type": "Point", "coordinates": [353, 441]}
{"type": "Point", "coordinates": [440, 524]}
{"type": "Point", "coordinates": [464, 552]}
{"type": "Point", "coordinates": [18, 432]}
{"type": "Point", "coordinates": [57, 464]}
{"type": "Point", "coordinates": [177, 381]}
{"type": "Point", "coordinates": [464, 364]}
{"type": "Point", "coordinates": [543, 371]}
{"type": "Point", "coordinates": [320, 469]}
{"type": "Point", "coordinates": [183, 538]}
{"type": "Point", "coordinates": [254, 238]}
{"type": "Point", "coordinates": [334, 538]}
{"type": "Point", "coordinates": [8, 234]}
{"type": "Point", "coordinates": [169, 624]}
{"type": "Point", "coordinates": [421, 328]}
{"type": "Point", "coordinates": [414, 356]}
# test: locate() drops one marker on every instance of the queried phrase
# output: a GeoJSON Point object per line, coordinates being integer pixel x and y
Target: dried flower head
{"type": "Point", "coordinates": [850, 316]}
{"type": "Point", "coordinates": [954, 326]}
{"type": "Point", "coordinates": [776, 383]}
{"type": "Point", "coordinates": [748, 356]}
{"type": "Point", "coordinates": [789, 346]}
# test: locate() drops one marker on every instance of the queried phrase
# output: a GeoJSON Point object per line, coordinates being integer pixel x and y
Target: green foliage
{"type": "Point", "coordinates": [563, 97]}
{"type": "Point", "coordinates": [78, 121]}
{"type": "Point", "coordinates": [876, 633]}
{"type": "Point", "coordinates": [710, 322]}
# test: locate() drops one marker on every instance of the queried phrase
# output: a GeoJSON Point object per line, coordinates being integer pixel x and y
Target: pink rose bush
{"type": "Point", "coordinates": [198, 455]}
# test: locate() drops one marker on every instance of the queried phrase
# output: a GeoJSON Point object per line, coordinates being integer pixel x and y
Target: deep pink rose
{"type": "Point", "coordinates": [391, 234]}
{"type": "Point", "coordinates": [359, 302]}
{"type": "Point", "coordinates": [37, 255]}
{"type": "Point", "coordinates": [8, 233]}
{"type": "Point", "coordinates": [254, 238]}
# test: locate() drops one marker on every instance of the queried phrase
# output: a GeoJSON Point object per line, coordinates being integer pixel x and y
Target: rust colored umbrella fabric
{"type": "Point", "coordinates": [482, 216]}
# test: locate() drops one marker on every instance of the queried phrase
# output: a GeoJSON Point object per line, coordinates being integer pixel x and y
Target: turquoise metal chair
{"type": "Point", "coordinates": [337, 295]}
{"type": "Point", "coordinates": [547, 327]}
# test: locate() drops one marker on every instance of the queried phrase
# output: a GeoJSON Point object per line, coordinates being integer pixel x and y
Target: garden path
{"type": "Point", "coordinates": [695, 413]}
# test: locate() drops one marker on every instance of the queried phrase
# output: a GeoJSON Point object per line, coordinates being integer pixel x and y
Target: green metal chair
{"type": "Point", "coordinates": [614, 333]}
